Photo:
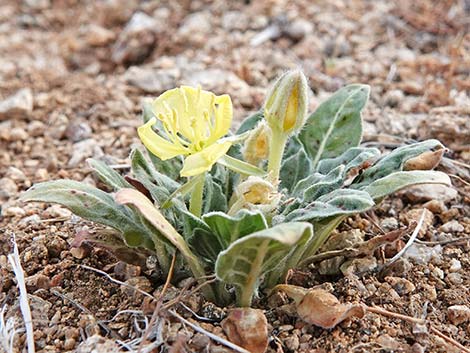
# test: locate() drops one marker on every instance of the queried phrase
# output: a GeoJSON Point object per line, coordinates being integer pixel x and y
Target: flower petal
{"type": "Point", "coordinates": [156, 144]}
{"type": "Point", "coordinates": [223, 117]}
{"type": "Point", "coordinates": [203, 161]}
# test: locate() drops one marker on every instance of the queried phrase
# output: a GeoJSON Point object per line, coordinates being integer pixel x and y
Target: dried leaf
{"type": "Point", "coordinates": [425, 161]}
{"type": "Point", "coordinates": [319, 307]}
{"type": "Point", "coordinates": [247, 328]}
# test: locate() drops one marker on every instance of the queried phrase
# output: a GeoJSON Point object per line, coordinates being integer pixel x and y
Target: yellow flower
{"type": "Point", "coordinates": [193, 123]}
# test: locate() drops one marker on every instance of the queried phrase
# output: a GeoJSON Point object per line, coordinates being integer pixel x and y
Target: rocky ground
{"type": "Point", "coordinates": [73, 75]}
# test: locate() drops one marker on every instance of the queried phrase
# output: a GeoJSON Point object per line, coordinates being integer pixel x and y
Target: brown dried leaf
{"type": "Point", "coordinates": [425, 161]}
{"type": "Point", "coordinates": [247, 328]}
{"type": "Point", "coordinates": [319, 307]}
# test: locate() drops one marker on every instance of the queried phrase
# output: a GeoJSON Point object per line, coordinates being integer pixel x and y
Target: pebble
{"type": "Point", "coordinates": [195, 27]}
{"type": "Point", "coordinates": [150, 80]}
{"type": "Point", "coordinates": [137, 40]}
{"type": "Point", "coordinates": [8, 188]}
{"type": "Point", "coordinates": [15, 174]}
{"type": "Point", "coordinates": [428, 192]}
{"type": "Point", "coordinates": [452, 227]}
{"type": "Point", "coordinates": [200, 341]}
{"type": "Point", "coordinates": [359, 266]}
{"type": "Point", "coordinates": [140, 282]}
{"type": "Point", "coordinates": [415, 215]}
{"type": "Point", "coordinates": [299, 28]}
{"type": "Point", "coordinates": [18, 134]}
{"type": "Point", "coordinates": [401, 285]}
{"type": "Point", "coordinates": [13, 211]}
{"type": "Point", "coordinates": [78, 131]}
{"type": "Point", "coordinates": [455, 265]}
{"type": "Point", "coordinates": [458, 314]}
{"type": "Point", "coordinates": [423, 254]}
{"type": "Point", "coordinates": [19, 105]}
{"type": "Point", "coordinates": [394, 97]}
{"type": "Point", "coordinates": [57, 211]}
{"type": "Point", "coordinates": [389, 224]}
{"type": "Point", "coordinates": [83, 150]}
{"type": "Point", "coordinates": [37, 281]}
{"type": "Point", "coordinates": [435, 206]}
{"type": "Point", "coordinates": [97, 36]}
{"type": "Point", "coordinates": [455, 278]}
{"type": "Point", "coordinates": [235, 20]}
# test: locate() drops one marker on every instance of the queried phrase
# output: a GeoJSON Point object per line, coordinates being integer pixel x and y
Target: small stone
{"type": "Point", "coordinates": [36, 128]}
{"type": "Point", "coordinates": [78, 131]}
{"type": "Point", "coordinates": [151, 81]}
{"type": "Point", "coordinates": [195, 27]}
{"type": "Point", "coordinates": [13, 211]}
{"type": "Point", "coordinates": [137, 40]}
{"type": "Point", "coordinates": [394, 97]}
{"type": "Point", "coordinates": [438, 273]}
{"type": "Point", "coordinates": [401, 285]}
{"type": "Point", "coordinates": [458, 314]}
{"type": "Point", "coordinates": [83, 150]}
{"type": "Point", "coordinates": [235, 20]}
{"type": "Point", "coordinates": [455, 265]}
{"type": "Point", "coordinates": [452, 227]}
{"type": "Point", "coordinates": [98, 36]}
{"type": "Point", "coordinates": [15, 174]}
{"type": "Point", "coordinates": [415, 215]}
{"type": "Point", "coordinates": [299, 28]}
{"type": "Point", "coordinates": [8, 188]}
{"type": "Point", "coordinates": [292, 342]}
{"type": "Point", "coordinates": [389, 224]}
{"type": "Point", "coordinates": [200, 341]}
{"type": "Point", "coordinates": [41, 174]}
{"type": "Point", "coordinates": [37, 281]}
{"type": "Point", "coordinates": [423, 254]}
{"type": "Point", "coordinates": [69, 344]}
{"type": "Point", "coordinates": [18, 134]}
{"type": "Point", "coordinates": [57, 211]}
{"type": "Point", "coordinates": [359, 266]}
{"type": "Point", "coordinates": [140, 282]}
{"type": "Point", "coordinates": [19, 105]}
{"type": "Point", "coordinates": [435, 206]}
{"type": "Point", "coordinates": [455, 278]}
{"type": "Point", "coordinates": [428, 192]}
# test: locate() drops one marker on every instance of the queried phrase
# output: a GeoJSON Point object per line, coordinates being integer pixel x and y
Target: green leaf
{"type": "Point", "coordinates": [240, 167]}
{"type": "Point", "coordinates": [352, 158]}
{"type": "Point", "coordinates": [250, 122]}
{"type": "Point", "coordinates": [108, 175]}
{"type": "Point", "coordinates": [338, 202]}
{"type": "Point", "coordinates": [317, 184]}
{"type": "Point", "coordinates": [399, 180]}
{"type": "Point", "coordinates": [394, 161]}
{"type": "Point", "coordinates": [94, 205]}
{"type": "Point", "coordinates": [295, 168]}
{"type": "Point", "coordinates": [248, 259]}
{"type": "Point", "coordinates": [336, 125]}
{"type": "Point", "coordinates": [214, 196]}
{"type": "Point", "coordinates": [151, 213]}
{"type": "Point", "coordinates": [224, 230]}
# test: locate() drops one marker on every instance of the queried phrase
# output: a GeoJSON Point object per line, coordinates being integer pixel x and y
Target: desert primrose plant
{"type": "Point", "coordinates": [247, 206]}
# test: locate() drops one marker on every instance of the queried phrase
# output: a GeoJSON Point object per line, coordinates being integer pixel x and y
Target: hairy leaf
{"type": "Point", "coordinates": [352, 158]}
{"type": "Point", "coordinates": [214, 197]}
{"type": "Point", "coordinates": [336, 125]}
{"type": "Point", "coordinates": [249, 258]}
{"type": "Point", "coordinates": [399, 180]}
{"type": "Point", "coordinates": [336, 203]}
{"type": "Point", "coordinates": [317, 184]}
{"type": "Point", "coordinates": [108, 175]}
{"type": "Point", "coordinates": [92, 204]}
{"type": "Point", "coordinates": [295, 168]}
{"type": "Point", "coordinates": [394, 161]}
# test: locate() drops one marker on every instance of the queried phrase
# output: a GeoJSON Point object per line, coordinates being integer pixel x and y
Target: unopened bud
{"type": "Point", "coordinates": [286, 106]}
{"type": "Point", "coordinates": [256, 193]}
{"type": "Point", "coordinates": [256, 146]}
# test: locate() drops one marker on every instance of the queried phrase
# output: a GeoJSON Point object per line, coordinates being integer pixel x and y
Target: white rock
{"type": "Point", "coordinates": [427, 192]}
{"type": "Point", "coordinates": [458, 314]}
{"type": "Point", "coordinates": [423, 254]}
{"type": "Point", "coordinates": [455, 265]}
{"type": "Point", "coordinates": [57, 211]}
{"type": "Point", "coordinates": [13, 211]}
{"type": "Point", "coordinates": [452, 227]}
{"type": "Point", "coordinates": [83, 150]}
{"type": "Point", "coordinates": [150, 80]}
{"type": "Point", "coordinates": [19, 105]}
{"type": "Point", "coordinates": [8, 188]}
{"type": "Point", "coordinates": [98, 36]}
{"type": "Point", "coordinates": [15, 174]}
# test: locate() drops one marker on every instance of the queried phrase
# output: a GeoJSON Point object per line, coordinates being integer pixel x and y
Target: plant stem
{"type": "Point", "coordinates": [276, 151]}
{"type": "Point", "coordinates": [249, 288]}
{"type": "Point", "coordinates": [195, 204]}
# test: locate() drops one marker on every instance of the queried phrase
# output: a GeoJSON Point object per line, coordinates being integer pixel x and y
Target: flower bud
{"type": "Point", "coordinates": [256, 146]}
{"type": "Point", "coordinates": [285, 109]}
{"type": "Point", "coordinates": [256, 193]}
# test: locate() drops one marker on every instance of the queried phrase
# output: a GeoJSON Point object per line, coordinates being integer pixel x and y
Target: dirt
{"type": "Point", "coordinates": [86, 67]}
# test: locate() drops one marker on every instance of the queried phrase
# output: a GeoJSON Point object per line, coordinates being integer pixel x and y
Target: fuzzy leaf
{"type": "Point", "coordinates": [352, 158]}
{"type": "Point", "coordinates": [214, 197]}
{"type": "Point", "coordinates": [250, 122]}
{"type": "Point", "coordinates": [250, 257]}
{"type": "Point", "coordinates": [295, 168]}
{"type": "Point", "coordinates": [317, 184]}
{"type": "Point", "coordinates": [336, 125]}
{"type": "Point", "coordinates": [108, 175]}
{"type": "Point", "coordinates": [399, 180]}
{"type": "Point", "coordinates": [394, 161]}
{"type": "Point", "coordinates": [336, 203]}
{"type": "Point", "coordinates": [224, 230]}
{"type": "Point", "coordinates": [92, 204]}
